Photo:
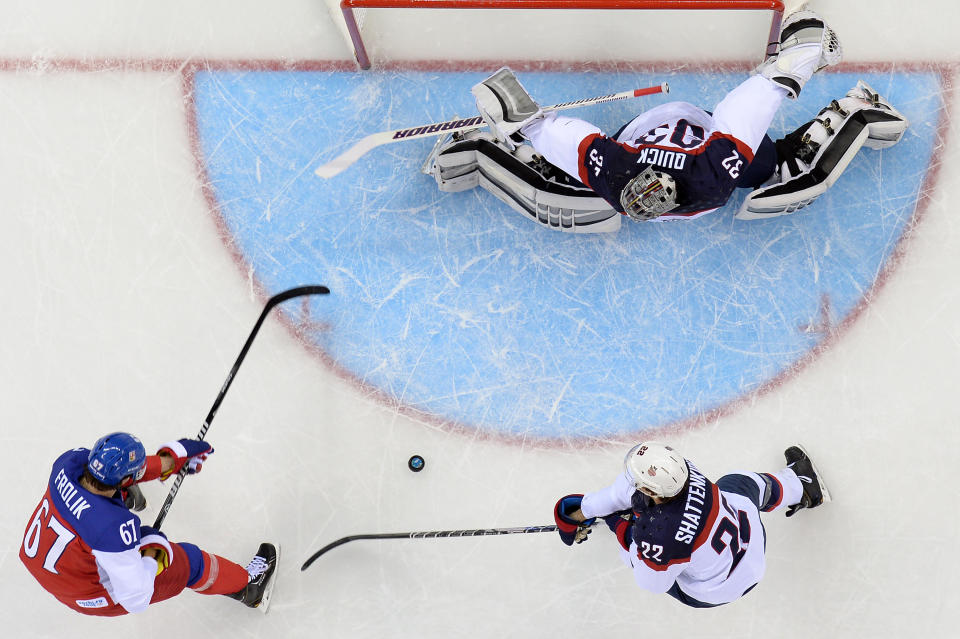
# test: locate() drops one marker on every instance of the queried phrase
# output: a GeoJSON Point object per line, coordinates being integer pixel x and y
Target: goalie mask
{"type": "Point", "coordinates": [649, 195]}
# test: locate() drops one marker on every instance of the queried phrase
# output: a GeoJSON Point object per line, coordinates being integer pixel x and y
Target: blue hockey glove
{"type": "Point", "coordinates": [571, 530]}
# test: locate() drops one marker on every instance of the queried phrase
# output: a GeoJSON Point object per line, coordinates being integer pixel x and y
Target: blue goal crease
{"type": "Point", "coordinates": [458, 307]}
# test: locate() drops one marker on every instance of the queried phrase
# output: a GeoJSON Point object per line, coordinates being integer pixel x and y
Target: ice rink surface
{"type": "Point", "coordinates": [131, 290]}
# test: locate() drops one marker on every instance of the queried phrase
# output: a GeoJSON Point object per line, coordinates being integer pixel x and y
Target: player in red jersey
{"type": "Point", "coordinates": [86, 548]}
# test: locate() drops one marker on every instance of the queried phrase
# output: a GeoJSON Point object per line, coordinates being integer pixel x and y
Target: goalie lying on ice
{"type": "Point", "coordinates": [675, 161]}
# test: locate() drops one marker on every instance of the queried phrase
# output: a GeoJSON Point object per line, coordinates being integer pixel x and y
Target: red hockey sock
{"type": "Point", "coordinates": [220, 576]}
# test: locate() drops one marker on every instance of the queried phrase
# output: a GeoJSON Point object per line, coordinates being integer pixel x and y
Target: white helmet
{"type": "Point", "coordinates": [656, 468]}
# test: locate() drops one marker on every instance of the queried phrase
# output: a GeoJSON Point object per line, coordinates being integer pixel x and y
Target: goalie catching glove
{"type": "Point", "coordinates": [570, 523]}
{"type": "Point", "coordinates": [185, 452]}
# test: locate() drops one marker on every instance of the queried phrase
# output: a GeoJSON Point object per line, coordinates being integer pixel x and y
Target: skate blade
{"type": "Point", "coordinates": [268, 593]}
{"type": "Point", "coordinates": [823, 486]}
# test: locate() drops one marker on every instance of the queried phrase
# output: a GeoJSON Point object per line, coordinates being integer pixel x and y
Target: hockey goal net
{"type": "Point", "coordinates": [559, 30]}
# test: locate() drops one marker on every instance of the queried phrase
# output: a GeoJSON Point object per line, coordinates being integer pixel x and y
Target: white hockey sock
{"type": "Point", "coordinates": [792, 488]}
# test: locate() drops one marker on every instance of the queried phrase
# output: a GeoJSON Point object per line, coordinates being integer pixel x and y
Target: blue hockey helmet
{"type": "Point", "coordinates": [115, 457]}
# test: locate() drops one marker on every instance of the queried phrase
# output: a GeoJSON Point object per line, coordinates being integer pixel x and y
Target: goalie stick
{"type": "Point", "coordinates": [279, 298]}
{"type": "Point", "coordinates": [338, 164]}
{"type": "Point", "coordinates": [480, 532]}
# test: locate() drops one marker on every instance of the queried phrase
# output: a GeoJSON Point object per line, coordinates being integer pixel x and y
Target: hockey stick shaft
{"type": "Point", "coordinates": [346, 159]}
{"type": "Point", "coordinates": [279, 298]}
{"type": "Point", "coordinates": [433, 534]}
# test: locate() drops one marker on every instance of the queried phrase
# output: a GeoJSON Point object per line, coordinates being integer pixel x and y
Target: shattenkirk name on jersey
{"type": "Point", "coordinates": [693, 510]}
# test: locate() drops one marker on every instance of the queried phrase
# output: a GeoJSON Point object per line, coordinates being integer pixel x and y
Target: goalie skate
{"type": "Point", "coordinates": [884, 132]}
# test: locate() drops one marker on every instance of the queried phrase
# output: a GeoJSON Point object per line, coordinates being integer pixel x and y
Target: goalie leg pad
{"type": "Point", "coordinates": [525, 183]}
{"type": "Point", "coordinates": [816, 154]}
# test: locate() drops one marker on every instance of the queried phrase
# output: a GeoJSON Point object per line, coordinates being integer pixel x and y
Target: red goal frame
{"type": "Point", "coordinates": [360, 51]}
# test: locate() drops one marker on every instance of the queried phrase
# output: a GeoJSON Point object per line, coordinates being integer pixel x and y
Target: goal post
{"type": "Point", "coordinates": [349, 10]}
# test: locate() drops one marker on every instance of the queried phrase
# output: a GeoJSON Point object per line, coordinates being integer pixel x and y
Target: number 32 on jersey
{"type": "Point", "coordinates": [733, 164]}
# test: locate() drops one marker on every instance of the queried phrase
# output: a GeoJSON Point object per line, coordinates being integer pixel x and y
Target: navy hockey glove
{"type": "Point", "coordinates": [621, 524]}
{"type": "Point", "coordinates": [571, 530]}
{"type": "Point", "coordinates": [153, 539]}
{"type": "Point", "coordinates": [186, 452]}
{"type": "Point", "coordinates": [133, 498]}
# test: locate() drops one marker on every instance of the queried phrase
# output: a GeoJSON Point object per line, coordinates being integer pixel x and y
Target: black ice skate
{"type": "Point", "coordinates": [261, 570]}
{"type": "Point", "coordinates": [815, 491]}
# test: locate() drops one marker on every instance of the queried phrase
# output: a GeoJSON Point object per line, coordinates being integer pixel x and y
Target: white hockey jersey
{"type": "Point", "coordinates": [707, 541]}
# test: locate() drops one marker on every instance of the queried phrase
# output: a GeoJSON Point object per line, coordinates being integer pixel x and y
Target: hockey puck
{"type": "Point", "coordinates": [416, 463]}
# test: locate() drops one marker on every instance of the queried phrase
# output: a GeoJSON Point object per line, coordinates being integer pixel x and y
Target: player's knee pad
{"type": "Point", "coordinates": [525, 182]}
{"type": "Point", "coordinates": [813, 157]}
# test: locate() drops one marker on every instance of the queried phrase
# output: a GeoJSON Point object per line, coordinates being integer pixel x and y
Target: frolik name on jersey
{"type": "Point", "coordinates": [693, 511]}
{"type": "Point", "coordinates": [74, 501]}
{"type": "Point", "coordinates": [662, 157]}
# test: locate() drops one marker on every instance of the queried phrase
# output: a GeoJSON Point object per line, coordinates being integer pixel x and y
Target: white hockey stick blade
{"type": "Point", "coordinates": [346, 159]}
{"type": "Point", "coordinates": [268, 593]}
{"type": "Point", "coordinates": [358, 150]}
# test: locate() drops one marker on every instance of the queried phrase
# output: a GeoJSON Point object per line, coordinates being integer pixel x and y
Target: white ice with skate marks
{"type": "Point", "coordinates": [127, 313]}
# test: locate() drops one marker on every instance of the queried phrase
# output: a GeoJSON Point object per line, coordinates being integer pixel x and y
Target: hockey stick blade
{"type": "Point", "coordinates": [279, 298]}
{"type": "Point", "coordinates": [433, 534]}
{"type": "Point", "coordinates": [346, 159]}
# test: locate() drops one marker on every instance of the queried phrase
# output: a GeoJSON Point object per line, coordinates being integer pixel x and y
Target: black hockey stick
{"type": "Point", "coordinates": [480, 532]}
{"type": "Point", "coordinates": [279, 298]}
